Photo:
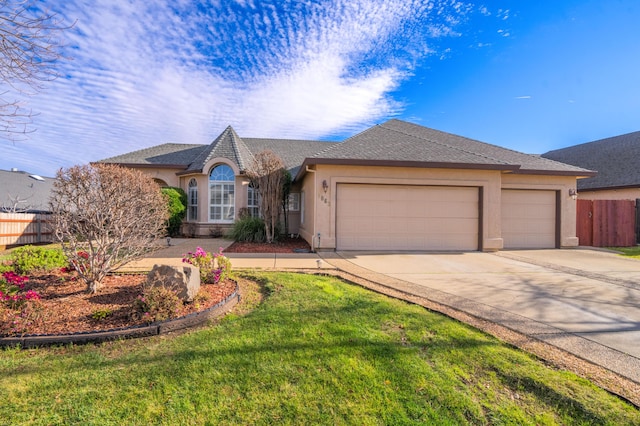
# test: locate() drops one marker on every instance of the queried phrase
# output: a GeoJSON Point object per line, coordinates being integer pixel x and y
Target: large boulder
{"type": "Point", "coordinates": [184, 279]}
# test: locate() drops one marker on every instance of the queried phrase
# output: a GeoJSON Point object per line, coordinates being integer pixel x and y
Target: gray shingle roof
{"type": "Point", "coordinates": [393, 142]}
{"type": "Point", "coordinates": [20, 191]}
{"type": "Point", "coordinates": [291, 151]}
{"type": "Point", "coordinates": [400, 141]}
{"type": "Point", "coordinates": [616, 159]}
{"type": "Point", "coordinates": [227, 145]}
{"type": "Point", "coordinates": [165, 154]}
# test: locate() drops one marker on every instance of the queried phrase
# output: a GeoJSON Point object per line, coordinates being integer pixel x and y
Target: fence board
{"type": "Point", "coordinates": [24, 228]}
{"type": "Point", "coordinates": [606, 223]}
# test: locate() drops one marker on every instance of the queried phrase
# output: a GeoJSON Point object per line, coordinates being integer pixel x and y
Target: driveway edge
{"type": "Point", "coordinates": [605, 378]}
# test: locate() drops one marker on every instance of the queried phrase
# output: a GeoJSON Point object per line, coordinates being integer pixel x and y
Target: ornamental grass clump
{"type": "Point", "coordinates": [214, 267]}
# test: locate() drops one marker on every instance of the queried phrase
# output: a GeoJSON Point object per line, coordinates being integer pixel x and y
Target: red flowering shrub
{"type": "Point", "coordinates": [19, 309]}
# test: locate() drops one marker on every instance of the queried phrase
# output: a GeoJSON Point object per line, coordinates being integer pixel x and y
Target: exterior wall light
{"type": "Point", "coordinates": [325, 185]}
{"type": "Point", "coordinates": [573, 194]}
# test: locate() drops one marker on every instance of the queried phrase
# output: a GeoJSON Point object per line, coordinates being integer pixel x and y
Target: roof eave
{"type": "Point", "coordinates": [402, 163]}
{"type": "Point", "coordinates": [578, 174]}
{"type": "Point", "coordinates": [144, 165]}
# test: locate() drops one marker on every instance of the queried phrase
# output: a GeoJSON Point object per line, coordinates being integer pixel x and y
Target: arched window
{"type": "Point", "coordinates": [222, 194]}
{"type": "Point", "coordinates": [192, 201]}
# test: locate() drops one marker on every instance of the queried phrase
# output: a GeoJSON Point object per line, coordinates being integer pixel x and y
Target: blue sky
{"type": "Point", "coordinates": [530, 76]}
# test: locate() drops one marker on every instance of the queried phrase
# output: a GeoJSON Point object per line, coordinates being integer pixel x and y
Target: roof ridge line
{"type": "Point", "coordinates": [338, 143]}
{"type": "Point", "coordinates": [451, 146]}
{"type": "Point", "coordinates": [237, 140]}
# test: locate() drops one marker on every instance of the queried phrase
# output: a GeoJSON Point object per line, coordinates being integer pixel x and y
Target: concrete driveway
{"type": "Point", "coordinates": [584, 301]}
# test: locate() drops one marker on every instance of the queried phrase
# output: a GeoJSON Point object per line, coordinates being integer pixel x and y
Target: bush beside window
{"type": "Point", "coordinates": [177, 206]}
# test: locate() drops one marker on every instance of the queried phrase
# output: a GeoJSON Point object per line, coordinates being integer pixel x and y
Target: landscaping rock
{"type": "Point", "coordinates": [184, 279]}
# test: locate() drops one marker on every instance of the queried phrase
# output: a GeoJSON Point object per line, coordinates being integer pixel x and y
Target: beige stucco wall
{"type": "Point", "coordinates": [611, 194]}
{"type": "Point", "coordinates": [307, 207]}
{"type": "Point", "coordinates": [164, 174]}
{"type": "Point", "coordinates": [320, 206]}
{"type": "Point", "coordinates": [324, 204]}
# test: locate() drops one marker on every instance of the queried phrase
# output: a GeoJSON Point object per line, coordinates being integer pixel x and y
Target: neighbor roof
{"type": "Point", "coordinates": [616, 159]}
{"type": "Point", "coordinates": [24, 192]}
{"type": "Point", "coordinates": [397, 142]}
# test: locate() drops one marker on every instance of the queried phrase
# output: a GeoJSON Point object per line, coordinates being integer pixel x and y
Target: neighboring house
{"type": "Point", "coordinates": [24, 192]}
{"type": "Point", "coordinates": [395, 186]}
{"type": "Point", "coordinates": [617, 161]}
{"type": "Point", "coordinates": [24, 207]}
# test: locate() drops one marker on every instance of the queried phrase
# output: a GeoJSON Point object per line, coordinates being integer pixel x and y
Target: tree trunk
{"type": "Point", "coordinates": [93, 286]}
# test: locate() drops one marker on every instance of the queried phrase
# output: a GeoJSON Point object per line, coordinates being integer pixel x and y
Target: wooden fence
{"type": "Point", "coordinates": [607, 223]}
{"type": "Point", "coordinates": [24, 228]}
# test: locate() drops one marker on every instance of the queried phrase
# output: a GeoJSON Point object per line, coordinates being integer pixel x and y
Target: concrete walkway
{"type": "Point", "coordinates": [172, 255]}
{"type": "Point", "coordinates": [585, 302]}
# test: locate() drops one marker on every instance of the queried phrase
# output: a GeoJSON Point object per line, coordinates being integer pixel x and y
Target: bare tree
{"type": "Point", "coordinates": [28, 51]}
{"type": "Point", "coordinates": [105, 216]}
{"type": "Point", "coordinates": [267, 174]}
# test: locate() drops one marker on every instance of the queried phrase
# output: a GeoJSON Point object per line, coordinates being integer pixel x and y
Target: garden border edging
{"type": "Point", "coordinates": [164, 327]}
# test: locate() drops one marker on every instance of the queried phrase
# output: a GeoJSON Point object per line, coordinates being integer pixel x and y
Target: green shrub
{"type": "Point", "coordinates": [156, 304]}
{"type": "Point", "coordinates": [249, 229]}
{"type": "Point", "coordinates": [177, 202]}
{"type": "Point", "coordinates": [101, 314]}
{"type": "Point", "coordinates": [29, 259]}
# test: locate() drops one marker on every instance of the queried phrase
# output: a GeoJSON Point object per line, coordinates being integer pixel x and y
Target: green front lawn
{"type": "Point", "coordinates": [317, 351]}
{"type": "Point", "coordinates": [628, 251]}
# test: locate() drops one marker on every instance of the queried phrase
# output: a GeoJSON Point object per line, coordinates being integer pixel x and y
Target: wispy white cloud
{"type": "Point", "coordinates": [145, 73]}
{"type": "Point", "coordinates": [523, 97]}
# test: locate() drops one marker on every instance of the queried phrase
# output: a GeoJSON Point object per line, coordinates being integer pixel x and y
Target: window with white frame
{"type": "Point", "coordinates": [221, 194]}
{"type": "Point", "coordinates": [293, 202]}
{"type": "Point", "coordinates": [192, 201]}
{"type": "Point", "coordinates": [253, 201]}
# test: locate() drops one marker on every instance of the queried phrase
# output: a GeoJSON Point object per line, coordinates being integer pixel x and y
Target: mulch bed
{"type": "Point", "coordinates": [68, 308]}
{"type": "Point", "coordinates": [284, 245]}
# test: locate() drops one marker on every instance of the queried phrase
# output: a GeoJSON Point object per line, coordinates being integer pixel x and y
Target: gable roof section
{"type": "Point", "coordinates": [617, 160]}
{"type": "Point", "coordinates": [227, 145]}
{"type": "Point", "coordinates": [397, 142]}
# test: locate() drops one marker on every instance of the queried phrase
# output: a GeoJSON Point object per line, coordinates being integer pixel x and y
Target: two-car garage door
{"type": "Point", "coordinates": [404, 217]}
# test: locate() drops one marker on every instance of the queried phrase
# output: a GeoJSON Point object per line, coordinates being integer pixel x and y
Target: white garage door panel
{"type": "Point", "coordinates": [528, 218]}
{"type": "Point", "coordinates": [394, 217]}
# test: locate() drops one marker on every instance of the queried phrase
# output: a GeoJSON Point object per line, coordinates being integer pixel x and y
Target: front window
{"type": "Point", "coordinates": [253, 202]}
{"type": "Point", "coordinates": [293, 203]}
{"type": "Point", "coordinates": [222, 194]}
{"type": "Point", "coordinates": [192, 201]}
